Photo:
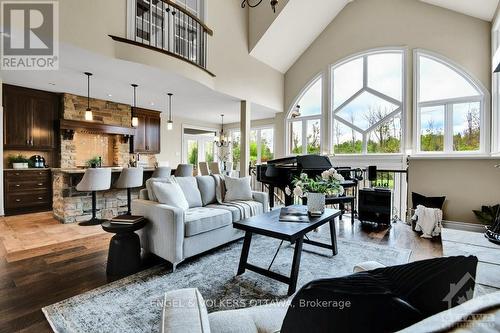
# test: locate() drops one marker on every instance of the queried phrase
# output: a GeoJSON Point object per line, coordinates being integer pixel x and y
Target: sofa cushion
{"type": "Point", "coordinates": [241, 209]}
{"type": "Point", "coordinates": [170, 194]}
{"type": "Point", "coordinates": [149, 186]}
{"type": "Point", "coordinates": [258, 319]}
{"type": "Point", "coordinates": [206, 186]}
{"type": "Point", "coordinates": [190, 188]}
{"type": "Point", "coordinates": [203, 219]}
{"type": "Point", "coordinates": [184, 311]}
{"type": "Point", "coordinates": [237, 189]}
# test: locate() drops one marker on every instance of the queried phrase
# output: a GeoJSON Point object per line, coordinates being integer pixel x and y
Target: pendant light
{"type": "Point", "coordinates": [170, 123]}
{"type": "Point", "coordinates": [222, 140]}
{"type": "Point", "coordinates": [88, 112]}
{"type": "Point", "coordinates": [135, 120]}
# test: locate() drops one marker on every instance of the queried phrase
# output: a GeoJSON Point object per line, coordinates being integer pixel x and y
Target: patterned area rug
{"type": "Point", "coordinates": [134, 303]}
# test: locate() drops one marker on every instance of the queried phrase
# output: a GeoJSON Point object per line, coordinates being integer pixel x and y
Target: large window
{"type": "Point", "coordinates": [449, 108]}
{"type": "Point", "coordinates": [261, 145]}
{"type": "Point", "coordinates": [367, 103]}
{"type": "Point", "coordinates": [304, 121]}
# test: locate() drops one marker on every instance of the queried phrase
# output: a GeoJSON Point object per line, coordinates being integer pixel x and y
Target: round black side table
{"type": "Point", "coordinates": [124, 255]}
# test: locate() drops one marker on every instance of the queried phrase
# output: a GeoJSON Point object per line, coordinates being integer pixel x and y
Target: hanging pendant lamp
{"type": "Point", "coordinates": [135, 120]}
{"type": "Point", "coordinates": [170, 123]}
{"type": "Point", "coordinates": [88, 113]}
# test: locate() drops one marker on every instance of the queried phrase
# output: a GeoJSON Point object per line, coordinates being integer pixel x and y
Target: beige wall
{"type": "Point", "coordinates": [260, 18]}
{"type": "Point", "coordinates": [237, 73]}
{"type": "Point", "coordinates": [467, 184]}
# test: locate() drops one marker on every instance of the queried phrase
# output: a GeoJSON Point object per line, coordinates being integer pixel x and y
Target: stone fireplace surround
{"type": "Point", "coordinates": [69, 205]}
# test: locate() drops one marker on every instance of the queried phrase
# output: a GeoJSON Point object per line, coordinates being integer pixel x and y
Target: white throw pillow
{"type": "Point", "coordinates": [238, 189]}
{"type": "Point", "coordinates": [170, 194]}
{"type": "Point", "coordinates": [149, 186]}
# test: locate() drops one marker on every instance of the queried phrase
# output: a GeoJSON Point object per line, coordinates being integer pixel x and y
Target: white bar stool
{"type": "Point", "coordinates": [130, 178]}
{"type": "Point", "coordinates": [162, 172]}
{"type": "Point", "coordinates": [94, 179]}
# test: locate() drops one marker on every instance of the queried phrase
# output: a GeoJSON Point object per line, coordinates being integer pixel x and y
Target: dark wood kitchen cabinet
{"type": "Point", "coordinates": [30, 118]}
{"type": "Point", "coordinates": [147, 137]}
{"type": "Point", "coordinates": [27, 191]}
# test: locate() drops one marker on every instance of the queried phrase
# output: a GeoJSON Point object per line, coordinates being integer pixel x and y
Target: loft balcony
{"type": "Point", "coordinates": [167, 27]}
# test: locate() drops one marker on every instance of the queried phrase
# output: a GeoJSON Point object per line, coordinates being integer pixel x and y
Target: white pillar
{"type": "Point", "coordinates": [245, 114]}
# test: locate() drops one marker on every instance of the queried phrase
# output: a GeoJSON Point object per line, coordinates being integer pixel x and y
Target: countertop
{"type": "Point", "coordinates": [81, 171]}
{"type": "Point", "coordinates": [27, 169]}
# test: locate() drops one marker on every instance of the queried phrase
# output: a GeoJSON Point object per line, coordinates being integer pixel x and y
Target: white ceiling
{"type": "Point", "coordinates": [483, 9]}
{"type": "Point", "coordinates": [112, 78]}
{"type": "Point", "coordinates": [295, 28]}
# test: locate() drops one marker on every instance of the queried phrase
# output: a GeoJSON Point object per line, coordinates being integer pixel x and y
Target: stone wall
{"type": "Point", "coordinates": [105, 112]}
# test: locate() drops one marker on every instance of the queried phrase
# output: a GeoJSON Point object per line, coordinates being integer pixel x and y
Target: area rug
{"type": "Point", "coordinates": [134, 304]}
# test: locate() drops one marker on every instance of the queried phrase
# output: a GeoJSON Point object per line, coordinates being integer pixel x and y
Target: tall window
{"type": "Point", "coordinates": [367, 103]}
{"type": "Point", "coordinates": [450, 107]}
{"type": "Point", "coordinates": [261, 145]}
{"type": "Point", "coordinates": [304, 121]}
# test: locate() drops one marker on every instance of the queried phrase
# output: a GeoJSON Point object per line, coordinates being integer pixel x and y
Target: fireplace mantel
{"type": "Point", "coordinates": [69, 127]}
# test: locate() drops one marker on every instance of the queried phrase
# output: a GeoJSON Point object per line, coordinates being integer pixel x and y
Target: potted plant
{"type": "Point", "coordinates": [487, 214]}
{"type": "Point", "coordinates": [18, 161]}
{"type": "Point", "coordinates": [94, 162]}
{"type": "Point", "coordinates": [316, 189]}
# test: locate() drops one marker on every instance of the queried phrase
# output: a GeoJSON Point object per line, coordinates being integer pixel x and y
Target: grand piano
{"type": "Point", "coordinates": [279, 173]}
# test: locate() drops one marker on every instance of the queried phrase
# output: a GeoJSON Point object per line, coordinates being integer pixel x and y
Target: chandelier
{"type": "Point", "coordinates": [273, 3]}
{"type": "Point", "coordinates": [222, 140]}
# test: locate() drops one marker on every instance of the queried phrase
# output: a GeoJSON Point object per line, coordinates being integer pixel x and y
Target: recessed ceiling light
{"type": "Point", "coordinates": [152, 103]}
{"type": "Point", "coordinates": [109, 95]}
{"type": "Point", "coordinates": [52, 83]}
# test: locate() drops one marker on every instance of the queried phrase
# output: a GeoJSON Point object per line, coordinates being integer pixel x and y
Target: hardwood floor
{"type": "Point", "coordinates": [43, 262]}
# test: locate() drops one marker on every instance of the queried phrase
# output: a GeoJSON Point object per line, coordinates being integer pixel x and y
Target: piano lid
{"type": "Point", "coordinates": [309, 162]}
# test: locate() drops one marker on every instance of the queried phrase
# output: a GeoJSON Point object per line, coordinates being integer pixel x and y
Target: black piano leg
{"type": "Point", "coordinates": [271, 196]}
{"type": "Point", "coordinates": [288, 200]}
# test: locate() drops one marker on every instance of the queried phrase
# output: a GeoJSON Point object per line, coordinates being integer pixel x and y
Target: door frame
{"type": "Point", "coordinates": [184, 142]}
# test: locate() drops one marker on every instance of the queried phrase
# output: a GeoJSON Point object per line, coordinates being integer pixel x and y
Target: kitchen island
{"type": "Point", "coordinates": [70, 205]}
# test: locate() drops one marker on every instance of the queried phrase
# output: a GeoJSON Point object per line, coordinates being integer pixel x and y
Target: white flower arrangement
{"type": "Point", "coordinates": [328, 183]}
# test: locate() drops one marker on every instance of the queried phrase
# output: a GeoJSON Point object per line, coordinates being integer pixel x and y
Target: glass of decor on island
{"type": "Point", "coordinates": [316, 189]}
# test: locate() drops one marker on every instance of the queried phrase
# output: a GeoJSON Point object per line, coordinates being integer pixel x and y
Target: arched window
{"type": "Point", "coordinates": [367, 103]}
{"type": "Point", "coordinates": [449, 107]}
{"type": "Point", "coordinates": [304, 121]}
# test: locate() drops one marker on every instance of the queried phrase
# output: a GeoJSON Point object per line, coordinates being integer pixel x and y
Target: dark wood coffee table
{"type": "Point", "coordinates": [269, 225]}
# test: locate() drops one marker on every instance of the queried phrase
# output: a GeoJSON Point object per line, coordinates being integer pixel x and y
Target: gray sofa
{"type": "Point", "coordinates": [184, 311]}
{"type": "Point", "coordinates": [174, 234]}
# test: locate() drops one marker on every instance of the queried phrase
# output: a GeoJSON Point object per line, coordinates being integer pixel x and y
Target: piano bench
{"type": "Point", "coordinates": [341, 201]}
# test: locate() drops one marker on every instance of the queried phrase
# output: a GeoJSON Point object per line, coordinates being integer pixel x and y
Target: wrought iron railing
{"type": "Point", "coordinates": [168, 27]}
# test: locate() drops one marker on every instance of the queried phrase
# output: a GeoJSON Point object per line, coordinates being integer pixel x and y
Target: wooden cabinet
{"type": "Point", "coordinates": [27, 191]}
{"type": "Point", "coordinates": [30, 118]}
{"type": "Point", "coordinates": [147, 137]}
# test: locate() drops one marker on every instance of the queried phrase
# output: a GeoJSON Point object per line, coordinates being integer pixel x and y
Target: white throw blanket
{"type": "Point", "coordinates": [428, 221]}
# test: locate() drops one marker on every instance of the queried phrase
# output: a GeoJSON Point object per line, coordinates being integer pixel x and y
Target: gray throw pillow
{"type": "Point", "coordinates": [190, 189]}
{"type": "Point", "coordinates": [170, 194]}
{"type": "Point", "coordinates": [206, 185]}
{"type": "Point", "coordinates": [237, 189]}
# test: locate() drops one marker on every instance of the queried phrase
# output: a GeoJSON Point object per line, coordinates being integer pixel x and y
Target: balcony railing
{"type": "Point", "coordinates": [395, 180]}
{"type": "Point", "coordinates": [167, 27]}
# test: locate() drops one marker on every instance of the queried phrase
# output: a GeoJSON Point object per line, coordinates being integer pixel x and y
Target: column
{"type": "Point", "coordinates": [245, 114]}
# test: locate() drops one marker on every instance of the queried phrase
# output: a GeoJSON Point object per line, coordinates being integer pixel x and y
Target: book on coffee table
{"type": "Point", "coordinates": [126, 219]}
{"type": "Point", "coordinates": [294, 214]}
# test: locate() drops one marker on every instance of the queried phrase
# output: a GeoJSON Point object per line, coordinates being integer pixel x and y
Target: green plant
{"type": "Point", "coordinates": [487, 214]}
{"type": "Point", "coordinates": [18, 159]}
{"type": "Point", "coordinates": [93, 161]}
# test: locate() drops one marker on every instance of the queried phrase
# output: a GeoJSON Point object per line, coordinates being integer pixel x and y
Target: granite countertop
{"type": "Point", "coordinates": [81, 171]}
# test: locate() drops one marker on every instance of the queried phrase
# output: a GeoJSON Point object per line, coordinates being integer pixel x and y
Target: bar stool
{"type": "Point", "coordinates": [94, 179]}
{"type": "Point", "coordinates": [130, 178]}
{"type": "Point", "coordinates": [203, 167]}
{"type": "Point", "coordinates": [162, 172]}
{"type": "Point", "coordinates": [184, 170]}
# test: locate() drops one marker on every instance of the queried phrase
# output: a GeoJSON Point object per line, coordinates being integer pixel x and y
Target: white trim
{"type": "Point", "coordinates": [483, 99]}
{"type": "Point", "coordinates": [401, 105]}
{"type": "Point", "coordinates": [196, 127]}
{"type": "Point", "coordinates": [287, 120]}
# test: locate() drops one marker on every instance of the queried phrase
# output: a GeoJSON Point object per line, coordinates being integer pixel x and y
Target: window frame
{"type": "Point", "coordinates": [258, 139]}
{"type": "Point", "coordinates": [482, 98]}
{"type": "Point", "coordinates": [305, 119]}
{"type": "Point", "coordinates": [401, 109]}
